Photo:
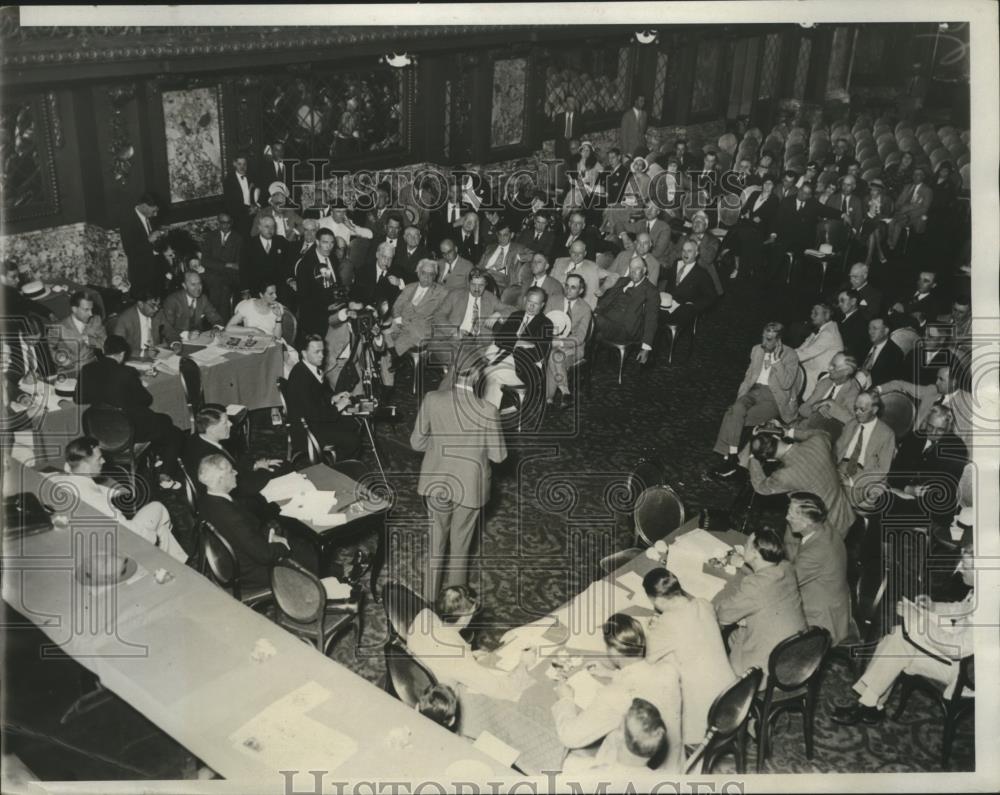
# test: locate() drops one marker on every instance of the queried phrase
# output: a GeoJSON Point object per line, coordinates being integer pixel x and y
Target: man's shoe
{"type": "Point", "coordinates": [557, 400]}
{"type": "Point", "coordinates": [726, 468]}
{"type": "Point", "coordinates": [568, 401]}
{"type": "Point", "coordinates": [856, 713]}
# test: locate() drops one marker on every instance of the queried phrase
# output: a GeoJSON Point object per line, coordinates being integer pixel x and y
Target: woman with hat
{"type": "Point", "coordinates": [584, 179]}
{"type": "Point", "coordinates": [878, 208]}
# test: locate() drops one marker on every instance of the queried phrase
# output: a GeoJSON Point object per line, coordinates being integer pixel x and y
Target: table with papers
{"type": "Point", "coordinates": [246, 697]}
{"type": "Point", "coordinates": [570, 641]}
{"type": "Point", "coordinates": [227, 377]}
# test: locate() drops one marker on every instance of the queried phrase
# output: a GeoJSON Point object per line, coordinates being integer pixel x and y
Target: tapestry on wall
{"type": "Point", "coordinates": [194, 143]}
{"type": "Point", "coordinates": [509, 104]}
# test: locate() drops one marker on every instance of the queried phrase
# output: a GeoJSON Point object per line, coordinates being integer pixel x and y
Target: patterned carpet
{"type": "Point", "coordinates": [548, 523]}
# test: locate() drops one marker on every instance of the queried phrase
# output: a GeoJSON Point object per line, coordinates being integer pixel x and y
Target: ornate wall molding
{"type": "Point", "coordinates": [121, 148]}
{"type": "Point", "coordinates": [55, 120]}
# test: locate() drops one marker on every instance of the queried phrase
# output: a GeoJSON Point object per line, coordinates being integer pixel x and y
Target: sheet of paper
{"type": "Point", "coordinates": [335, 589]}
{"type": "Point", "coordinates": [283, 734]}
{"type": "Point", "coordinates": [585, 688]}
{"type": "Point", "coordinates": [507, 657]}
{"type": "Point", "coordinates": [234, 408]}
{"type": "Point", "coordinates": [703, 542]}
{"type": "Point", "coordinates": [633, 583]}
{"type": "Point", "coordinates": [311, 506]}
{"type": "Point", "coordinates": [493, 746]}
{"type": "Point", "coordinates": [286, 487]}
{"type": "Point", "coordinates": [208, 356]}
{"type": "Point", "coordinates": [171, 365]}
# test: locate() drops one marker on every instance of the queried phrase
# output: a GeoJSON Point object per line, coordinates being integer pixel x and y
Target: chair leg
{"type": "Point", "coordinates": [740, 748]}
{"type": "Point", "coordinates": [905, 688]}
{"type": "Point", "coordinates": [808, 719]}
{"type": "Point", "coordinates": [673, 340]}
{"type": "Point", "coordinates": [621, 363]}
{"type": "Point", "coordinates": [762, 738]}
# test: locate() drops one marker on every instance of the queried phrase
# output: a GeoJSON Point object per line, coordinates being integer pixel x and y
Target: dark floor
{"type": "Point", "coordinates": [548, 523]}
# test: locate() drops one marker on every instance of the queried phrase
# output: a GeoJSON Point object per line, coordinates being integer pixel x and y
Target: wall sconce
{"type": "Point", "coordinates": [399, 61]}
{"type": "Point", "coordinates": [647, 36]}
{"type": "Point", "coordinates": [943, 27]}
{"type": "Point", "coordinates": [807, 25]}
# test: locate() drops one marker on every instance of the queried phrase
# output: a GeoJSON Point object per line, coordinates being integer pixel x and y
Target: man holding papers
{"type": "Point", "coordinates": [932, 639]}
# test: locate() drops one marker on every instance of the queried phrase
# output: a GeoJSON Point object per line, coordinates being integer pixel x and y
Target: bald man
{"type": "Point", "coordinates": [577, 262]}
{"type": "Point", "coordinates": [642, 248]}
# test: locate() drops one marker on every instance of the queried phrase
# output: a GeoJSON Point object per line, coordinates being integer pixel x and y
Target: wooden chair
{"type": "Point", "coordinates": [899, 413]}
{"type": "Point", "coordinates": [114, 431]}
{"type": "Point", "coordinates": [401, 607]}
{"type": "Point", "coordinates": [305, 610]}
{"type": "Point", "coordinates": [793, 680]}
{"type": "Point", "coordinates": [658, 512]}
{"type": "Point", "coordinates": [223, 567]}
{"type": "Point", "coordinates": [727, 725]}
{"type": "Point", "coordinates": [405, 676]}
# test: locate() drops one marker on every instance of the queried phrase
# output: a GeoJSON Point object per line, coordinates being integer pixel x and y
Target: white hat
{"type": "Point", "coordinates": [825, 248]}
{"type": "Point", "coordinates": [277, 187]}
{"type": "Point", "coordinates": [561, 323]}
{"type": "Point", "coordinates": [34, 289]}
{"type": "Point", "coordinates": [666, 300]}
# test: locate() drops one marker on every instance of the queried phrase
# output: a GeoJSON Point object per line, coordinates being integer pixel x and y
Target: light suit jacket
{"type": "Point", "coordinates": [784, 382]}
{"type": "Point", "coordinates": [815, 353]}
{"type": "Point", "coordinates": [821, 570]}
{"type": "Point", "coordinates": [417, 320]}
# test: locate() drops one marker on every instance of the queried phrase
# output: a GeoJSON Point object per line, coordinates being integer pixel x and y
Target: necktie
{"type": "Point", "coordinates": [452, 212]}
{"type": "Point", "coordinates": [569, 125]}
{"type": "Point", "coordinates": [798, 206]}
{"type": "Point", "coordinates": [145, 224]}
{"type": "Point", "coordinates": [915, 190]}
{"type": "Point", "coordinates": [225, 237]}
{"type": "Point", "coordinates": [538, 235]}
{"type": "Point", "coordinates": [267, 245]}
{"type": "Point", "coordinates": [870, 360]}
{"type": "Point", "coordinates": [939, 401]}
{"type": "Point", "coordinates": [569, 309]}
{"type": "Point", "coordinates": [854, 462]}
{"type": "Point", "coordinates": [445, 272]}
{"type": "Point", "coordinates": [475, 317]}
{"type": "Point", "coordinates": [524, 325]}
{"type": "Point", "coordinates": [381, 276]}
{"type": "Point", "coordinates": [843, 205]}
{"type": "Point", "coordinates": [833, 389]}
{"type": "Point", "coordinates": [650, 225]}
{"type": "Point", "coordinates": [191, 314]}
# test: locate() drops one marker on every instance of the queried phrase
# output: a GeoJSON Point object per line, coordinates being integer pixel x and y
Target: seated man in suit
{"type": "Point", "coordinates": [766, 604]}
{"type": "Point", "coordinates": [82, 480]}
{"type": "Point", "coordinates": [141, 325]}
{"type": "Point", "coordinates": [831, 402]}
{"type": "Point", "coordinates": [854, 326]}
{"type": "Point", "coordinates": [409, 255]}
{"type": "Point", "coordinates": [257, 543]}
{"type": "Point", "coordinates": [453, 270]}
{"type": "Point", "coordinates": [212, 426]}
{"type": "Point", "coordinates": [534, 273]}
{"type": "Point", "coordinates": [925, 300]}
{"type": "Point", "coordinates": [657, 229]}
{"type": "Point", "coordinates": [895, 654]}
{"type": "Point", "coordinates": [578, 232]}
{"type": "Point", "coordinates": [951, 389]}
{"type": "Point", "coordinates": [569, 350]}
{"type": "Point", "coordinates": [819, 558]}
{"type": "Point", "coordinates": [769, 391]}
{"type": "Point", "coordinates": [912, 204]}
{"type": "Point", "coordinates": [75, 342]}
{"type": "Point", "coordinates": [188, 311]}
{"type": "Point", "coordinates": [311, 398]}
{"type": "Point", "coordinates": [460, 327]}
{"type": "Point", "coordinates": [629, 311]}
{"type": "Point", "coordinates": [221, 255]}
{"type": "Point", "coordinates": [824, 341]}
{"type": "Point", "coordinates": [539, 239]}
{"type": "Point", "coordinates": [864, 452]}
{"type": "Point", "coordinates": [927, 469]}
{"type": "Point", "coordinates": [884, 361]}
{"type": "Point", "coordinates": [641, 249]}
{"type": "Point", "coordinates": [578, 262]}
{"type": "Point", "coordinates": [413, 314]}
{"type": "Point", "coordinates": [109, 381]}
{"type": "Point", "coordinates": [689, 286]}
{"type": "Point", "coordinates": [502, 260]}
{"type": "Point", "coordinates": [521, 345]}
{"type": "Point", "coordinates": [706, 245]}
{"type": "Point", "coordinates": [869, 297]}
{"type": "Point", "coordinates": [804, 461]}
{"type": "Point", "coordinates": [633, 676]}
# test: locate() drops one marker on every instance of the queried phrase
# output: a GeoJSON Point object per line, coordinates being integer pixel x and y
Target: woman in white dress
{"type": "Point", "coordinates": [263, 314]}
{"type": "Point", "coordinates": [584, 179]}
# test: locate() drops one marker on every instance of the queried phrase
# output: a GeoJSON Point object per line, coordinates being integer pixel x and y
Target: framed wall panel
{"type": "Point", "coordinates": [28, 186]}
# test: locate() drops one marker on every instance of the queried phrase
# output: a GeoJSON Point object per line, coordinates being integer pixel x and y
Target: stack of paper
{"type": "Point", "coordinates": [208, 356]}
{"type": "Point", "coordinates": [493, 746]}
{"type": "Point", "coordinates": [633, 583]}
{"type": "Point", "coordinates": [171, 364]}
{"type": "Point", "coordinates": [687, 564]}
{"type": "Point", "coordinates": [335, 589]}
{"type": "Point", "coordinates": [702, 542]}
{"type": "Point", "coordinates": [286, 487]}
{"type": "Point", "coordinates": [585, 688]}
{"type": "Point", "coordinates": [313, 507]}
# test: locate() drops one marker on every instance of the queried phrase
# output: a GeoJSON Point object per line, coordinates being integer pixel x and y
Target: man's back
{"type": "Point", "coordinates": [821, 571]}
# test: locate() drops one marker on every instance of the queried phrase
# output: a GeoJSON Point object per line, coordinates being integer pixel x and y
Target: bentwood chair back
{"type": "Point", "coordinates": [191, 381]}
{"type": "Point", "coordinates": [658, 512]}
{"type": "Point", "coordinates": [401, 607]}
{"type": "Point", "coordinates": [406, 677]}
{"type": "Point", "coordinates": [304, 608]}
{"type": "Point", "coordinates": [899, 413]}
{"type": "Point", "coordinates": [727, 721]}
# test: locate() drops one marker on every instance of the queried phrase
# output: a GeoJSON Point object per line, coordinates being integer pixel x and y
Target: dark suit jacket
{"type": "Point", "coordinates": [635, 310]}
{"type": "Point", "coordinates": [930, 305]}
{"type": "Point", "coordinates": [368, 289]}
{"type": "Point", "coordinates": [939, 466]}
{"type": "Point", "coordinates": [855, 207]}
{"type": "Point", "coordinates": [232, 200]}
{"type": "Point", "coordinates": [589, 235]}
{"type": "Point", "coordinates": [558, 131]}
{"type": "Point", "coordinates": [538, 332]}
{"type": "Point", "coordinates": [888, 366]}
{"type": "Point", "coordinates": [268, 173]}
{"type": "Point", "coordinates": [248, 537]}
{"type": "Point", "coordinates": [314, 298]}
{"type": "Point", "coordinates": [404, 265]}
{"type": "Point", "coordinates": [106, 382]}
{"type": "Point", "coordinates": [696, 288]}
{"type": "Point", "coordinates": [796, 228]}
{"type": "Point", "coordinates": [215, 254]}
{"type": "Point", "coordinates": [249, 481]}
{"type": "Point", "coordinates": [142, 271]}
{"type": "Point", "coordinates": [127, 326]}
{"type": "Point", "coordinates": [258, 266]}
{"type": "Point", "coordinates": [468, 248]}
{"type": "Point", "coordinates": [544, 245]}
{"type": "Point", "coordinates": [854, 333]}
{"type": "Point", "coordinates": [177, 315]}
{"type": "Point", "coordinates": [766, 213]}
{"type": "Point", "coordinates": [439, 227]}
{"type": "Point", "coordinates": [309, 399]}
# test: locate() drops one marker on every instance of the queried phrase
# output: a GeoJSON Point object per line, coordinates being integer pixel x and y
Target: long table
{"type": "Point", "coordinates": [576, 630]}
{"type": "Point", "coordinates": [245, 696]}
{"type": "Point", "coordinates": [246, 379]}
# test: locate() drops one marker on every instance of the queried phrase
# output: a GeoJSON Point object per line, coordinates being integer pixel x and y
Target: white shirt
{"type": "Point", "coordinates": [765, 371]}
{"type": "Point", "coordinates": [446, 270]}
{"type": "Point", "coordinates": [145, 221]}
{"type": "Point", "coordinates": [539, 281]}
{"type": "Point", "coordinates": [279, 223]}
{"type": "Point", "coordinates": [145, 331]}
{"type": "Point", "coordinates": [683, 269]}
{"type": "Point", "coordinates": [345, 232]}
{"type": "Point", "coordinates": [868, 428]}
{"type": "Point", "coordinates": [244, 184]}
{"type": "Point", "coordinates": [418, 296]}
{"type": "Point", "coordinates": [498, 256]}
{"type": "Point", "coordinates": [467, 320]}
{"type": "Point", "coordinates": [80, 327]}
{"type": "Point", "coordinates": [834, 391]}
{"type": "Point", "coordinates": [875, 351]}
{"type": "Point", "coordinates": [316, 372]}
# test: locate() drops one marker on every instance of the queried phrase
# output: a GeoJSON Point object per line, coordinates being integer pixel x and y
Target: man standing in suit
{"type": "Point", "coordinates": [136, 227]}
{"type": "Point", "coordinates": [467, 237]}
{"type": "Point", "coordinates": [502, 260]}
{"type": "Point", "coordinates": [864, 452]}
{"type": "Point", "coordinates": [804, 461]}
{"type": "Point", "coordinates": [635, 120]}
{"type": "Point", "coordinates": [568, 350]}
{"type": "Point", "coordinates": [221, 255]}
{"type": "Point", "coordinates": [854, 326]}
{"type": "Point", "coordinates": [577, 262]}
{"type": "Point", "coordinates": [310, 397]}
{"type": "Point", "coordinates": [188, 310]}
{"type": "Point", "coordinates": [265, 257]}
{"type": "Point", "coordinates": [446, 221]}
{"type": "Point", "coordinates": [831, 402]}
{"type": "Point", "coordinates": [884, 361]}
{"type": "Point", "coordinates": [453, 270]}
{"type": "Point", "coordinates": [522, 344]}
{"type": "Point", "coordinates": [769, 391]}
{"type": "Point", "coordinates": [566, 126]}
{"type": "Point", "coordinates": [273, 168]}
{"type": "Point", "coordinates": [459, 435]}
{"type": "Point", "coordinates": [628, 312]}
{"type": "Point", "coordinates": [689, 286]}
{"type": "Point", "coordinates": [766, 604]}
{"type": "Point", "coordinates": [814, 354]}
{"type": "Point", "coordinates": [78, 337]}
{"type": "Point", "coordinates": [239, 196]}
{"type": "Point", "coordinates": [318, 281]}
{"type": "Point", "coordinates": [141, 325]}
{"type": "Point", "coordinates": [820, 562]}
{"type": "Point", "coordinates": [109, 381]}
{"type": "Point", "coordinates": [842, 156]}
